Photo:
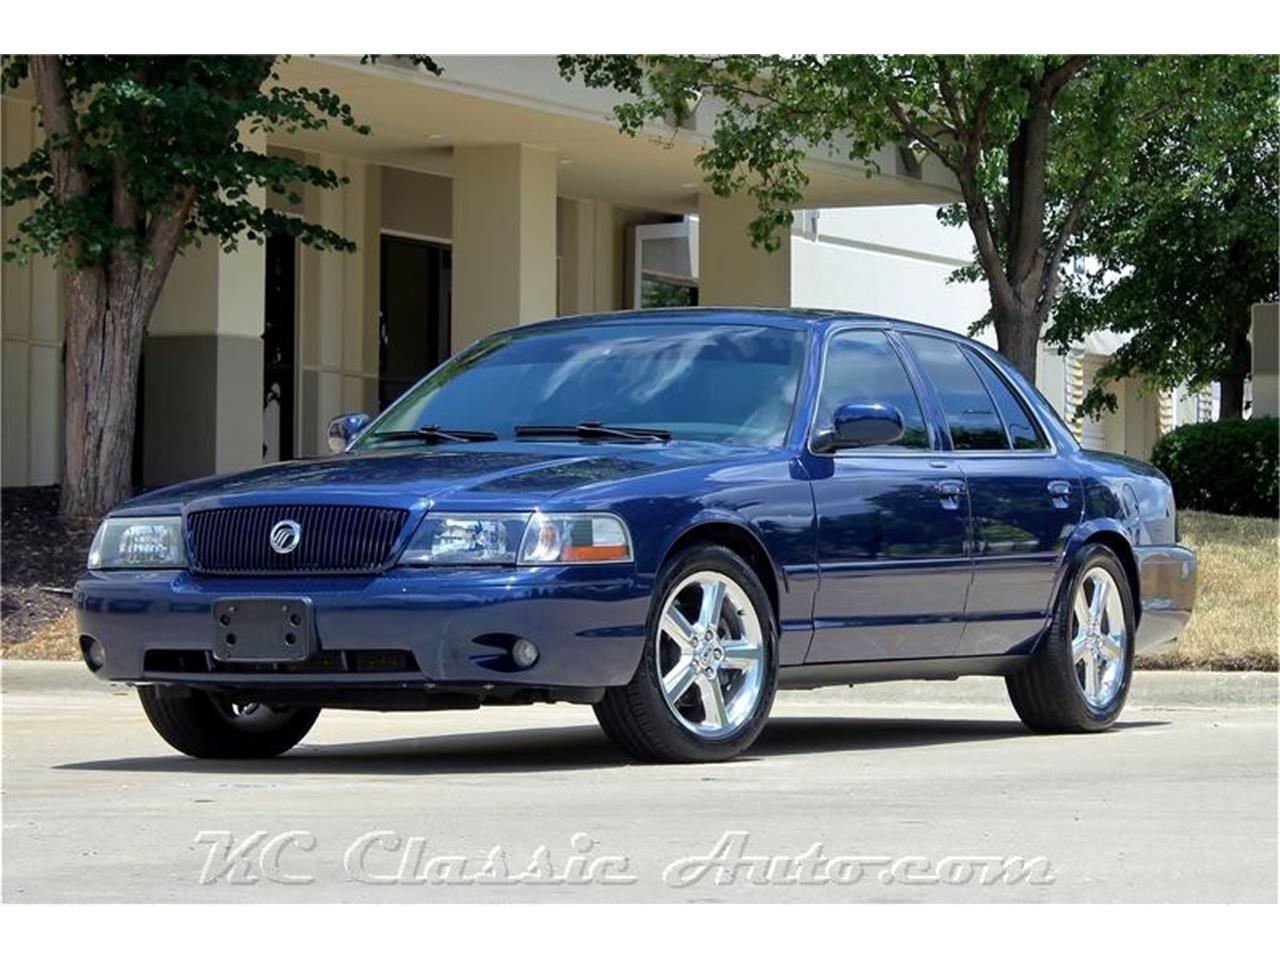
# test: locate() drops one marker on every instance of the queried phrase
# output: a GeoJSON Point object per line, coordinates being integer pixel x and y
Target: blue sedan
{"type": "Point", "coordinates": [667, 515]}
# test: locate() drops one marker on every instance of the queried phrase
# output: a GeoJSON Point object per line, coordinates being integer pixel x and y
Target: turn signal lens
{"type": "Point", "coordinates": [575, 538]}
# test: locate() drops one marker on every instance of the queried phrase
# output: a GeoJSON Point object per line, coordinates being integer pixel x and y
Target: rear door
{"type": "Point", "coordinates": [892, 520]}
{"type": "Point", "coordinates": [1024, 501]}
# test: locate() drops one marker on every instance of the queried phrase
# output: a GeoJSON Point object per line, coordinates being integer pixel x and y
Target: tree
{"type": "Point", "coordinates": [1031, 140]}
{"type": "Point", "coordinates": [1177, 258]}
{"type": "Point", "coordinates": [143, 156]}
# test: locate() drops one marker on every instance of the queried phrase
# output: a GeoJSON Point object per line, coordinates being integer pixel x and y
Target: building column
{"type": "Point", "coordinates": [338, 304]}
{"type": "Point", "coordinates": [202, 366]}
{"type": "Point", "coordinates": [31, 342]}
{"type": "Point", "coordinates": [731, 272]}
{"type": "Point", "coordinates": [202, 393]}
{"type": "Point", "coordinates": [1264, 336]}
{"type": "Point", "coordinates": [590, 243]}
{"type": "Point", "coordinates": [504, 239]}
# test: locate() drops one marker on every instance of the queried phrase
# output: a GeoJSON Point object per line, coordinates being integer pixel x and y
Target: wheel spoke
{"type": "Point", "coordinates": [1098, 603]}
{"type": "Point", "coordinates": [675, 626]}
{"type": "Point", "coordinates": [1091, 676]}
{"type": "Point", "coordinates": [679, 679]}
{"type": "Point", "coordinates": [712, 701]}
{"type": "Point", "coordinates": [1080, 645]}
{"type": "Point", "coordinates": [742, 655]}
{"type": "Point", "coordinates": [712, 601]}
{"type": "Point", "coordinates": [1081, 609]}
{"type": "Point", "coordinates": [1113, 647]}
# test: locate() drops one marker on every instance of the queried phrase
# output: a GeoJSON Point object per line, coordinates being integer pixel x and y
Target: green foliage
{"type": "Point", "coordinates": [150, 132]}
{"type": "Point", "coordinates": [960, 108]}
{"type": "Point", "coordinates": [1179, 255]}
{"type": "Point", "coordinates": [1035, 143]}
{"type": "Point", "coordinates": [1228, 466]}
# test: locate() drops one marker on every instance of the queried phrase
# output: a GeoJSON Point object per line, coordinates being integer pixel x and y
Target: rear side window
{"type": "Point", "coordinates": [1022, 429]}
{"type": "Point", "coordinates": [970, 411]}
{"type": "Point", "coordinates": [862, 366]}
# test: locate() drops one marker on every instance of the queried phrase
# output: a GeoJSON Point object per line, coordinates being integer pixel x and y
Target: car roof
{"type": "Point", "coordinates": [787, 317]}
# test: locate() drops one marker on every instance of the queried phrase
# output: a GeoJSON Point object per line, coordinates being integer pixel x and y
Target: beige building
{"type": "Point", "coordinates": [494, 194]}
{"type": "Point", "coordinates": [1262, 390]}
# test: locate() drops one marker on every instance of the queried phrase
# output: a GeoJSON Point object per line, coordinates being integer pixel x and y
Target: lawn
{"type": "Point", "coordinates": [1235, 626]}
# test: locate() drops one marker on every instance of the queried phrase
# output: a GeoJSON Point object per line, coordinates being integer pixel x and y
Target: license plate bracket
{"type": "Point", "coordinates": [263, 629]}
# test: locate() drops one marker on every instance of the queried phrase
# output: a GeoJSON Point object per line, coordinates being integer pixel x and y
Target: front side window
{"type": "Point", "coordinates": [711, 382]}
{"type": "Point", "coordinates": [863, 367]}
{"type": "Point", "coordinates": [970, 411]}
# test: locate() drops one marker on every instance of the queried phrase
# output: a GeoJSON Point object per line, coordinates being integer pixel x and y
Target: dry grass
{"type": "Point", "coordinates": [54, 640]}
{"type": "Point", "coordinates": [1235, 626]}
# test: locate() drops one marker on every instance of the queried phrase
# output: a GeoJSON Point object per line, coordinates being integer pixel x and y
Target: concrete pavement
{"type": "Point", "coordinates": [884, 792]}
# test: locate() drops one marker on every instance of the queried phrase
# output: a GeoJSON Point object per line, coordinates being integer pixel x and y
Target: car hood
{"type": "Point", "coordinates": [492, 475]}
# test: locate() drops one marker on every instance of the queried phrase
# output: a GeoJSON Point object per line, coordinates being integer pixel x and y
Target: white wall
{"type": "Point", "coordinates": [892, 261]}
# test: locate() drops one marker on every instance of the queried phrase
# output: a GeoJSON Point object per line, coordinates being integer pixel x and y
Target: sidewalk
{"type": "Point", "coordinates": [1150, 688]}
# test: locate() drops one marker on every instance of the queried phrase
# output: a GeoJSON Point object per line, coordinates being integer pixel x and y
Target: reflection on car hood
{"type": "Point", "coordinates": [404, 474]}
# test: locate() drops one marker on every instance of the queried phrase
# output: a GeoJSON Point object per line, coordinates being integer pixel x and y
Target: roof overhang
{"type": "Point", "coordinates": [417, 119]}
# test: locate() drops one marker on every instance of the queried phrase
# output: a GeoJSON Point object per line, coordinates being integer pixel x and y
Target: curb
{"type": "Point", "coordinates": [1150, 688]}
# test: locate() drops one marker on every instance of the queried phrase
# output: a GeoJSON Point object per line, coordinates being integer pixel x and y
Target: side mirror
{"type": "Point", "coordinates": [344, 429]}
{"type": "Point", "coordinates": [860, 425]}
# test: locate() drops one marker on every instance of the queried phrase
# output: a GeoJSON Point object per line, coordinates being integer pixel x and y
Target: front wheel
{"type": "Point", "coordinates": [1078, 679]}
{"type": "Point", "coordinates": [708, 673]}
{"type": "Point", "coordinates": [212, 726]}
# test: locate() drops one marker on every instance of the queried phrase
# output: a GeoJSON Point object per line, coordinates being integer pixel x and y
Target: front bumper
{"type": "Point", "coordinates": [1167, 581]}
{"type": "Point", "coordinates": [406, 628]}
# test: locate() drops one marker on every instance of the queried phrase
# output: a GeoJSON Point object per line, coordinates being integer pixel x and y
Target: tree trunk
{"type": "Point", "coordinates": [1231, 399]}
{"type": "Point", "coordinates": [1231, 406]}
{"type": "Point", "coordinates": [104, 346]}
{"type": "Point", "coordinates": [1018, 339]}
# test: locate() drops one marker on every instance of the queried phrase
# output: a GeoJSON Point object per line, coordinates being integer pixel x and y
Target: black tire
{"type": "Point", "coordinates": [636, 716]}
{"type": "Point", "coordinates": [1047, 694]}
{"type": "Point", "coordinates": [206, 726]}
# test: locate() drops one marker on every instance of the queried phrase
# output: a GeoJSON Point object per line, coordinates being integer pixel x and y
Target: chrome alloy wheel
{"type": "Point", "coordinates": [710, 655]}
{"type": "Point", "coordinates": [1099, 639]}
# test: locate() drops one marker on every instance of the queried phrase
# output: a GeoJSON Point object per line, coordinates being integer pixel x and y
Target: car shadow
{"type": "Point", "coordinates": [575, 748]}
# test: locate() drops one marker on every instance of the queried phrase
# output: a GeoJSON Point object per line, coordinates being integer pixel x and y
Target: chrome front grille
{"type": "Point", "coordinates": [334, 539]}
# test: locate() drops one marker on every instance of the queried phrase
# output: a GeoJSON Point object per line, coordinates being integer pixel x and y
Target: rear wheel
{"type": "Point", "coordinates": [708, 673]}
{"type": "Point", "coordinates": [1078, 680]}
{"type": "Point", "coordinates": [213, 726]}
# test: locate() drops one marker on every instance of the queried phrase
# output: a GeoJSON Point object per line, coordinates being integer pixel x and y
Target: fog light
{"type": "Point", "coordinates": [95, 655]}
{"type": "Point", "coordinates": [524, 653]}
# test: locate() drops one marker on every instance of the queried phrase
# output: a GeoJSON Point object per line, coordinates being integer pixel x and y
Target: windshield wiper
{"type": "Point", "coordinates": [593, 430]}
{"type": "Point", "coordinates": [435, 434]}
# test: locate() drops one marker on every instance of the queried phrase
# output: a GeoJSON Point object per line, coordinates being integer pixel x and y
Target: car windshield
{"type": "Point", "coordinates": [711, 382]}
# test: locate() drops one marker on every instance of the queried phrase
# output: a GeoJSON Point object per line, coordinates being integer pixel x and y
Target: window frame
{"type": "Point", "coordinates": [978, 361]}
{"type": "Point", "coordinates": [938, 411]}
{"type": "Point", "coordinates": [921, 389]}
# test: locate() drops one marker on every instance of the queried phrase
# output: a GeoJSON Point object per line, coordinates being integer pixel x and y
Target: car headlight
{"type": "Point", "coordinates": [462, 538]}
{"type": "Point", "coordinates": [129, 543]}
{"type": "Point", "coordinates": [519, 538]}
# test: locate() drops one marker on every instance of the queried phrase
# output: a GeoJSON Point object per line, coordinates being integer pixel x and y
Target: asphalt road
{"type": "Point", "coordinates": [864, 795]}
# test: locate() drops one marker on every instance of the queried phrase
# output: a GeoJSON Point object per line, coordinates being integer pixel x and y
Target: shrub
{"type": "Point", "coordinates": [1228, 466]}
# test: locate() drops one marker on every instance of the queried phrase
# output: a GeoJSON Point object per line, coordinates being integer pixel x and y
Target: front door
{"type": "Point", "coordinates": [892, 521]}
{"type": "Point", "coordinates": [413, 335]}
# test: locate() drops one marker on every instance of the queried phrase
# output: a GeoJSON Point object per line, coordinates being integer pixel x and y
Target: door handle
{"type": "Point", "coordinates": [1060, 490]}
{"type": "Point", "coordinates": [949, 492]}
